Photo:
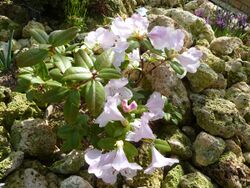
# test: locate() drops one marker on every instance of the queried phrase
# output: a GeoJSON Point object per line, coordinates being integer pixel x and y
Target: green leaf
{"type": "Point", "coordinates": [178, 68]}
{"type": "Point", "coordinates": [104, 60]}
{"type": "Point", "coordinates": [133, 44]}
{"type": "Point", "coordinates": [61, 37]}
{"type": "Point", "coordinates": [56, 74]}
{"type": "Point", "coordinates": [130, 150]}
{"type": "Point", "coordinates": [31, 57]}
{"type": "Point", "coordinates": [115, 129]}
{"type": "Point", "coordinates": [71, 136]}
{"type": "Point", "coordinates": [40, 36]}
{"type": "Point", "coordinates": [71, 106]}
{"type": "Point", "coordinates": [95, 97]}
{"type": "Point", "coordinates": [62, 62]}
{"type": "Point", "coordinates": [33, 79]}
{"type": "Point", "coordinates": [109, 73]}
{"type": "Point", "coordinates": [80, 57]}
{"type": "Point", "coordinates": [106, 143]}
{"type": "Point", "coordinates": [79, 62]}
{"type": "Point", "coordinates": [162, 145]}
{"type": "Point", "coordinates": [77, 73]}
{"type": "Point", "coordinates": [56, 94]}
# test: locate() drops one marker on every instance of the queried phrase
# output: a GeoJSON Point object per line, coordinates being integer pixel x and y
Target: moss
{"type": "Point", "coordinates": [203, 78]}
{"type": "Point", "coordinates": [5, 148]}
{"type": "Point", "coordinates": [173, 177]}
{"type": "Point", "coordinates": [195, 180]}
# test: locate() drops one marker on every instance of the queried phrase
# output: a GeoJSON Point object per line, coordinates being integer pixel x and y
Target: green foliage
{"type": "Point", "coordinates": [162, 145]}
{"type": "Point", "coordinates": [59, 72]}
{"type": "Point", "coordinates": [6, 54]}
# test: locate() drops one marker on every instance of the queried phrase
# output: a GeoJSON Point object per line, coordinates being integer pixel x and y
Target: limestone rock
{"type": "Point", "coordinates": [218, 117]}
{"type": "Point", "coordinates": [217, 64]}
{"type": "Point", "coordinates": [11, 163]}
{"type": "Point", "coordinates": [5, 148]}
{"type": "Point", "coordinates": [164, 80]}
{"type": "Point", "coordinates": [230, 172]}
{"type": "Point", "coordinates": [180, 144]}
{"type": "Point", "coordinates": [207, 149]}
{"type": "Point", "coordinates": [31, 25]}
{"type": "Point", "coordinates": [173, 177]}
{"type": "Point", "coordinates": [70, 164]}
{"type": "Point", "coordinates": [193, 24]}
{"type": "Point", "coordinates": [196, 179]}
{"type": "Point", "coordinates": [26, 178]}
{"type": "Point", "coordinates": [34, 137]}
{"type": "Point", "coordinates": [204, 78]}
{"type": "Point", "coordinates": [225, 45]}
{"type": "Point", "coordinates": [237, 71]}
{"type": "Point", "coordinates": [239, 94]}
{"type": "Point", "coordinates": [75, 182]}
{"type": "Point", "coordinates": [20, 108]}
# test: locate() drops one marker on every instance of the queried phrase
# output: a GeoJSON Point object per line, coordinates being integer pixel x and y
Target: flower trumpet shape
{"type": "Point", "coordinates": [110, 112]}
{"type": "Point", "coordinates": [155, 105]}
{"type": "Point", "coordinates": [158, 161]}
{"type": "Point", "coordinates": [107, 166]}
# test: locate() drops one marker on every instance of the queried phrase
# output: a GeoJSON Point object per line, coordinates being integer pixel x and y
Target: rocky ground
{"type": "Point", "coordinates": [212, 142]}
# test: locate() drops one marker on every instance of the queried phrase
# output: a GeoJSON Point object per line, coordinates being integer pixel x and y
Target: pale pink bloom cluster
{"type": "Point", "coordinates": [108, 165]}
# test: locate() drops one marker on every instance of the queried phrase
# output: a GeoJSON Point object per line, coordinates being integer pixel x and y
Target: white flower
{"type": "Point", "coordinates": [141, 129]}
{"type": "Point", "coordinates": [142, 11]}
{"type": "Point", "coordinates": [117, 86]}
{"type": "Point", "coordinates": [190, 59]}
{"type": "Point", "coordinates": [155, 105]}
{"type": "Point", "coordinates": [102, 37]}
{"type": "Point", "coordinates": [119, 49]}
{"type": "Point", "coordinates": [136, 24]}
{"type": "Point", "coordinates": [110, 112]}
{"type": "Point", "coordinates": [166, 37]}
{"type": "Point", "coordinates": [107, 166]}
{"type": "Point", "coordinates": [158, 161]}
{"type": "Point", "coordinates": [134, 58]}
{"type": "Point", "coordinates": [121, 163]}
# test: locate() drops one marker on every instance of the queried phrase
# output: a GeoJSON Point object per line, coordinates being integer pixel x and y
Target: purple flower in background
{"type": "Point", "coordinates": [158, 161]}
{"type": "Point", "coordinates": [199, 12]}
{"type": "Point", "coordinates": [242, 20]}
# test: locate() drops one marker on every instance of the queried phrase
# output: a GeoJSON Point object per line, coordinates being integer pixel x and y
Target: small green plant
{"type": "Point", "coordinates": [6, 54]}
{"type": "Point", "coordinates": [75, 13]}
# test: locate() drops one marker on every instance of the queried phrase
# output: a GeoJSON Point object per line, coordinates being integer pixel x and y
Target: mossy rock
{"type": "Point", "coordinates": [5, 147]}
{"type": "Point", "coordinates": [173, 177]}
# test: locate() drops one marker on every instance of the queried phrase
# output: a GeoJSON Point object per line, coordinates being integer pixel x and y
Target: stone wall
{"type": "Point", "coordinates": [242, 5]}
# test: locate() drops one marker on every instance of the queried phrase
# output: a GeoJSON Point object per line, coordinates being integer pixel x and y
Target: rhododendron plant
{"type": "Point", "coordinates": [103, 107]}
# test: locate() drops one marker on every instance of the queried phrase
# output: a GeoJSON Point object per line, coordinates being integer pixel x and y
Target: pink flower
{"type": "Point", "coordinates": [166, 37]}
{"type": "Point", "coordinates": [128, 108]}
{"type": "Point", "coordinates": [190, 59]}
{"type": "Point", "coordinates": [107, 166]}
{"type": "Point", "coordinates": [141, 129]}
{"type": "Point", "coordinates": [158, 161]}
{"type": "Point", "coordinates": [110, 112]}
{"type": "Point", "coordinates": [155, 105]}
{"type": "Point", "coordinates": [102, 37]}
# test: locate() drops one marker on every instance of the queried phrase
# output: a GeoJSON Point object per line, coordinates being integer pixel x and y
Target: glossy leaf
{"type": "Point", "coordinates": [71, 106]}
{"type": "Point", "coordinates": [162, 145]}
{"type": "Point", "coordinates": [107, 143]}
{"type": "Point", "coordinates": [61, 37]}
{"type": "Point", "coordinates": [56, 94]}
{"type": "Point", "coordinates": [56, 74]}
{"type": "Point", "coordinates": [130, 150]}
{"type": "Point", "coordinates": [62, 62]}
{"type": "Point", "coordinates": [105, 60]}
{"type": "Point", "coordinates": [82, 59]}
{"type": "Point", "coordinates": [178, 68]}
{"type": "Point", "coordinates": [95, 97]}
{"type": "Point", "coordinates": [77, 73]}
{"type": "Point", "coordinates": [40, 36]}
{"type": "Point", "coordinates": [31, 57]}
{"type": "Point", "coordinates": [109, 73]}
